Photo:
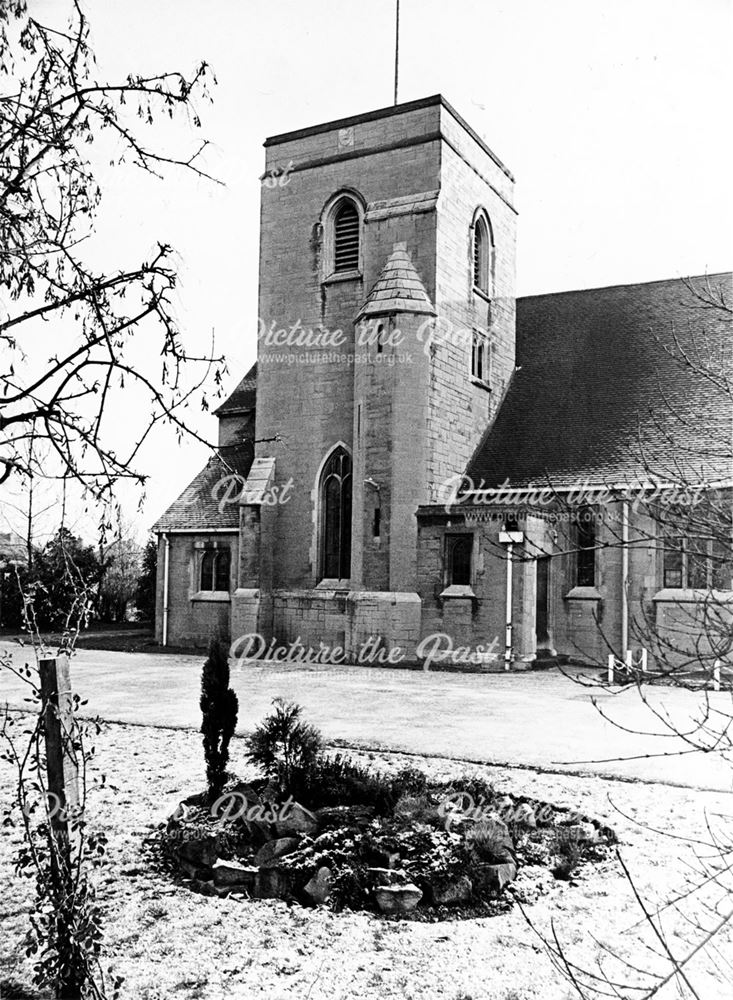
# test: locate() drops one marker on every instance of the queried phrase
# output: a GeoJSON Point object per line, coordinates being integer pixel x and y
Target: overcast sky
{"type": "Point", "coordinates": [613, 116]}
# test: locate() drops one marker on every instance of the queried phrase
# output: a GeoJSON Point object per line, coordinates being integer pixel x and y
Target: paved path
{"type": "Point", "coordinates": [533, 719]}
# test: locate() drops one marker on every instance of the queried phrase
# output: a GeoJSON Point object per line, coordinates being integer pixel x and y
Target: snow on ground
{"type": "Point", "coordinates": [168, 942]}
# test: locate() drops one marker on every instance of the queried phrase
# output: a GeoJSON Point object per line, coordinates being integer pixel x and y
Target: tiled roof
{"type": "Point", "coordinates": [211, 499]}
{"type": "Point", "coordinates": [616, 385]}
{"type": "Point", "coordinates": [243, 397]}
{"type": "Point", "coordinates": [398, 288]}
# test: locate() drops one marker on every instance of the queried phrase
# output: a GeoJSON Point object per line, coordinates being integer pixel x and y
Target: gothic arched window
{"type": "Point", "coordinates": [482, 254]}
{"type": "Point", "coordinates": [214, 570]}
{"type": "Point", "coordinates": [335, 502]}
{"type": "Point", "coordinates": [346, 225]}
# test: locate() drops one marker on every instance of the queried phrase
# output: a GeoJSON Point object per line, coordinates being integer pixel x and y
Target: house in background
{"type": "Point", "coordinates": [418, 451]}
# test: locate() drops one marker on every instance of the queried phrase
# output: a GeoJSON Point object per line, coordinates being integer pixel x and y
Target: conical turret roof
{"type": "Point", "coordinates": [398, 288]}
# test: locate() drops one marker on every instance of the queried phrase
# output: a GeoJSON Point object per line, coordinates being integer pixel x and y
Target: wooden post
{"type": "Point", "coordinates": [61, 767]}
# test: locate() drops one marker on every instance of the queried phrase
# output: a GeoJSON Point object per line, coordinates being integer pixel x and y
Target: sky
{"type": "Point", "coordinates": [613, 116]}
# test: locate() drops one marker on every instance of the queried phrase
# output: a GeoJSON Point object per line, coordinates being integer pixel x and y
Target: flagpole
{"type": "Point", "coordinates": [397, 52]}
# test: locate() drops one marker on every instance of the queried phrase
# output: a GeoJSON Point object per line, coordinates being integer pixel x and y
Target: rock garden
{"type": "Point", "coordinates": [316, 828]}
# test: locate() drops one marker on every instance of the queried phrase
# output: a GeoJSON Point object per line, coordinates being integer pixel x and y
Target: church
{"type": "Point", "coordinates": [420, 461]}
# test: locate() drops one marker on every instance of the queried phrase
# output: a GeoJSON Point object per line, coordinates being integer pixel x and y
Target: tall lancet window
{"type": "Point", "coordinates": [482, 255]}
{"type": "Point", "coordinates": [335, 496]}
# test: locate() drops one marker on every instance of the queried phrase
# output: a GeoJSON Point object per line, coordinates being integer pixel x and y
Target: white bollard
{"type": "Point", "coordinates": [716, 676]}
{"type": "Point", "coordinates": [611, 660]}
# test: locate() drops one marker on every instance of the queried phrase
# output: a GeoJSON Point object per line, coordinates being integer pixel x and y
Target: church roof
{"type": "Point", "coordinates": [243, 397]}
{"type": "Point", "coordinates": [398, 288]}
{"type": "Point", "coordinates": [617, 385]}
{"type": "Point", "coordinates": [210, 501]}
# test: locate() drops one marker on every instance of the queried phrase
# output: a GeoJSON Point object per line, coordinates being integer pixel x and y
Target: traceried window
{"type": "Point", "coordinates": [696, 563]}
{"type": "Point", "coordinates": [585, 551]}
{"type": "Point", "coordinates": [214, 570]}
{"type": "Point", "coordinates": [482, 255]}
{"type": "Point", "coordinates": [335, 501]}
{"type": "Point", "coordinates": [346, 226]}
{"type": "Point", "coordinates": [458, 551]}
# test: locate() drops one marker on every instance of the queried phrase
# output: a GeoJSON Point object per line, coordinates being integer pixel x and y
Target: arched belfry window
{"type": "Point", "coordinates": [335, 503]}
{"type": "Point", "coordinates": [346, 226]}
{"type": "Point", "coordinates": [483, 251]}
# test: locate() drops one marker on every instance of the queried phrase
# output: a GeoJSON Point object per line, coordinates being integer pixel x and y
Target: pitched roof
{"type": "Point", "coordinates": [616, 385]}
{"type": "Point", "coordinates": [211, 498]}
{"type": "Point", "coordinates": [398, 288]}
{"type": "Point", "coordinates": [244, 396]}
{"type": "Point", "coordinates": [13, 548]}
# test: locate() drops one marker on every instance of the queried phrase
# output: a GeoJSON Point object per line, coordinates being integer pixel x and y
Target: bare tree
{"type": "Point", "coordinates": [56, 113]}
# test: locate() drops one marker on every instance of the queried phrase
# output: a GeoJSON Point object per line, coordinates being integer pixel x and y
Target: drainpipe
{"type": "Point", "coordinates": [166, 565]}
{"type": "Point", "coordinates": [624, 579]}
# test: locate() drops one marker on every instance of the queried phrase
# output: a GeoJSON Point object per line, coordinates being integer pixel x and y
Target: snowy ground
{"type": "Point", "coordinates": [168, 942]}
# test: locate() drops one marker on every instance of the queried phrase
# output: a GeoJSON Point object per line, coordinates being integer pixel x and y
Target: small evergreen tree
{"type": "Point", "coordinates": [219, 708]}
{"type": "Point", "coordinates": [145, 593]}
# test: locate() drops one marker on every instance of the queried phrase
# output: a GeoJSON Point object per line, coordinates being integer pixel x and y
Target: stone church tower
{"type": "Point", "coordinates": [386, 318]}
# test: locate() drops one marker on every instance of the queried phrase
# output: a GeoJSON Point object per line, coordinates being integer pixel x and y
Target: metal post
{"type": "Point", "coordinates": [624, 577]}
{"type": "Point", "coordinates": [508, 644]}
{"type": "Point", "coordinates": [716, 675]}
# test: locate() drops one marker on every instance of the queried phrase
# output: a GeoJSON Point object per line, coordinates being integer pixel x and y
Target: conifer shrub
{"type": "Point", "coordinates": [219, 710]}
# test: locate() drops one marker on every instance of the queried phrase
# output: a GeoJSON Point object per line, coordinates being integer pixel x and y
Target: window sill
{"type": "Point", "coordinates": [332, 584]}
{"type": "Point", "coordinates": [211, 596]}
{"type": "Point", "coordinates": [480, 383]}
{"type": "Point", "coordinates": [584, 594]}
{"type": "Point", "coordinates": [337, 276]}
{"type": "Point", "coordinates": [686, 595]}
{"type": "Point", "coordinates": [456, 590]}
{"type": "Point", "coordinates": [481, 294]}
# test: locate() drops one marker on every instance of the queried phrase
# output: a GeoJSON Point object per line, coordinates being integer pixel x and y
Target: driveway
{"type": "Point", "coordinates": [537, 720]}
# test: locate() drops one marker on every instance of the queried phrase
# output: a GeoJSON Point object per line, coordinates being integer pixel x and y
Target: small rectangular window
{"type": "Point", "coordinates": [480, 356]}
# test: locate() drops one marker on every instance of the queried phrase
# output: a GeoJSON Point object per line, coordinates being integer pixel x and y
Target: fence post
{"type": "Point", "coordinates": [643, 660]}
{"type": "Point", "coordinates": [611, 661]}
{"type": "Point", "coordinates": [62, 771]}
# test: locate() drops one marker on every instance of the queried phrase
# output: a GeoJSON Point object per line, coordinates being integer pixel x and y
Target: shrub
{"type": "Point", "coordinates": [219, 708]}
{"type": "Point", "coordinates": [284, 746]}
{"type": "Point", "coordinates": [338, 781]}
{"type": "Point", "coordinates": [567, 848]}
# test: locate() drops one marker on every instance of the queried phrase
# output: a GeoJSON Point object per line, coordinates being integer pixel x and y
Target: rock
{"type": "Point", "coordinates": [200, 850]}
{"type": "Point", "coordinates": [495, 877]}
{"type": "Point", "coordinates": [332, 817]}
{"type": "Point", "coordinates": [297, 819]}
{"type": "Point", "coordinates": [451, 890]}
{"type": "Point", "coordinates": [195, 871]}
{"type": "Point", "coordinates": [269, 884]}
{"type": "Point", "coordinates": [397, 898]}
{"type": "Point", "coordinates": [387, 876]}
{"type": "Point", "coordinates": [524, 814]}
{"type": "Point", "coordinates": [319, 887]}
{"type": "Point", "coordinates": [234, 873]}
{"type": "Point", "coordinates": [270, 852]}
{"type": "Point", "coordinates": [246, 791]}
